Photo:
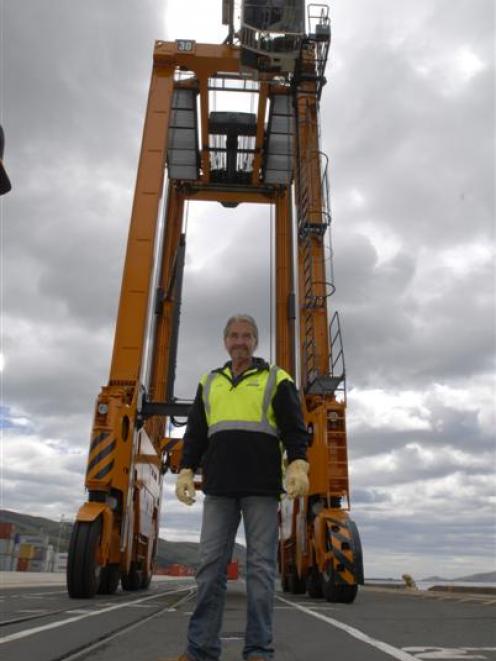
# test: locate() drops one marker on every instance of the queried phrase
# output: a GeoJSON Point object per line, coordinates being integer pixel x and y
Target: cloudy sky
{"type": "Point", "coordinates": [408, 124]}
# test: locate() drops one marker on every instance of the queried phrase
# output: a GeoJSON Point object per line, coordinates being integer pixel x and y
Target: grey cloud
{"type": "Point", "coordinates": [420, 538]}
{"type": "Point", "coordinates": [68, 62]}
{"type": "Point", "coordinates": [394, 337]}
{"type": "Point", "coordinates": [361, 496]}
{"type": "Point", "coordinates": [451, 428]}
{"type": "Point", "coordinates": [60, 377]}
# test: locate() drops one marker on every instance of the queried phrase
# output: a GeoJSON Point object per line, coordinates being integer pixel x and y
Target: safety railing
{"type": "Point", "coordinates": [319, 33]}
{"type": "Point", "coordinates": [337, 367]}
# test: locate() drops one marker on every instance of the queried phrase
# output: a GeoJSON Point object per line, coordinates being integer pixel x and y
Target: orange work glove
{"type": "Point", "coordinates": [297, 478]}
{"type": "Point", "coordinates": [185, 487]}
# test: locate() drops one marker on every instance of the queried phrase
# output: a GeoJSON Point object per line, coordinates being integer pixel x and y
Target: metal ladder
{"type": "Point", "coordinates": [312, 225]}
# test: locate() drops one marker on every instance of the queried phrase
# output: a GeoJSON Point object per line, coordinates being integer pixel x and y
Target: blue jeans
{"type": "Point", "coordinates": [221, 517]}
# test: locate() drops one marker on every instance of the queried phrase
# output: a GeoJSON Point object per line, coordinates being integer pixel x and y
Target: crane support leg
{"type": "Point", "coordinates": [285, 296]}
{"type": "Point", "coordinates": [121, 538]}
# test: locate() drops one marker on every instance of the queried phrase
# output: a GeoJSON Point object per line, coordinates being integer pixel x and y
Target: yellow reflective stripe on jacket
{"type": "Point", "coordinates": [243, 425]}
{"type": "Point", "coordinates": [206, 392]}
{"type": "Point", "coordinates": [246, 406]}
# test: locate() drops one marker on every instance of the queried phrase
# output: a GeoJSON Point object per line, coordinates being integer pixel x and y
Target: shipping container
{"type": "Point", "coordinates": [6, 562]}
{"type": "Point", "coordinates": [179, 570]}
{"type": "Point", "coordinates": [22, 564]}
{"type": "Point", "coordinates": [25, 551]}
{"type": "Point", "coordinates": [40, 553]}
{"type": "Point", "coordinates": [6, 546]}
{"type": "Point", "coordinates": [7, 530]}
{"type": "Point", "coordinates": [37, 565]}
{"type": "Point", "coordinates": [233, 571]}
{"type": "Point", "coordinates": [35, 540]}
{"type": "Point", "coordinates": [60, 563]}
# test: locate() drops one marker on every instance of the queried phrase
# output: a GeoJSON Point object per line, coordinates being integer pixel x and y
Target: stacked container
{"type": "Point", "coordinates": [24, 553]}
{"type": "Point", "coordinates": [60, 563]}
{"type": "Point", "coordinates": [33, 553]}
{"type": "Point", "coordinates": [7, 544]}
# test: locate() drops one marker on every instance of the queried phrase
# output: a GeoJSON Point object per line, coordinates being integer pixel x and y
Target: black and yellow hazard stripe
{"type": "Point", "coordinates": [344, 565]}
{"type": "Point", "coordinates": [170, 444]}
{"type": "Point", "coordinates": [101, 459]}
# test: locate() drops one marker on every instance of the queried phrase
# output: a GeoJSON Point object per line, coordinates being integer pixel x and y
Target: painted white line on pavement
{"type": "Point", "coordinates": [31, 596]}
{"type": "Point", "coordinates": [44, 594]}
{"type": "Point", "coordinates": [356, 633]}
{"type": "Point", "coordinates": [84, 652]}
{"type": "Point", "coordinates": [479, 649]}
{"type": "Point", "coordinates": [448, 652]}
{"type": "Point", "coordinates": [92, 613]}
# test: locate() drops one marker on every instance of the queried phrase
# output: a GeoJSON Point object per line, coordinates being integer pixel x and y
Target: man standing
{"type": "Point", "coordinates": [241, 414]}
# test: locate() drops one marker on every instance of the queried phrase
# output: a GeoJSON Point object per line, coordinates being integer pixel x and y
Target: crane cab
{"type": "Point", "coordinates": [271, 34]}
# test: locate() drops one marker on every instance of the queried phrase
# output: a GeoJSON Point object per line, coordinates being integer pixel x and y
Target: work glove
{"type": "Point", "coordinates": [297, 478]}
{"type": "Point", "coordinates": [185, 487]}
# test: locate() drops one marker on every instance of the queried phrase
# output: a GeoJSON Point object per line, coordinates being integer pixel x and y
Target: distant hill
{"type": "Point", "coordinates": [59, 533]}
{"type": "Point", "coordinates": [37, 525]}
{"type": "Point", "coordinates": [485, 577]}
{"type": "Point", "coordinates": [187, 553]}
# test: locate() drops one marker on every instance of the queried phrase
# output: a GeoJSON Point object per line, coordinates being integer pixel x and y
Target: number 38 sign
{"type": "Point", "coordinates": [185, 45]}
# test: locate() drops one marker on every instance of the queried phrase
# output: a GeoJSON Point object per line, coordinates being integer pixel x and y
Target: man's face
{"type": "Point", "coordinates": [240, 341]}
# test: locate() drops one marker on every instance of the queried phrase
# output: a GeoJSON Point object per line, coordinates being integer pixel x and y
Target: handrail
{"type": "Point", "coordinates": [319, 32]}
{"type": "Point", "coordinates": [337, 364]}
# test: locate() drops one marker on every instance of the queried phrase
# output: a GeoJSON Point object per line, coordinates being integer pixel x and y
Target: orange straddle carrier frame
{"type": "Point", "coordinates": [272, 156]}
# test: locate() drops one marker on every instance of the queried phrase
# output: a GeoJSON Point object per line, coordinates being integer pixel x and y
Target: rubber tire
{"type": "Point", "coordinates": [314, 584]}
{"type": "Point", "coordinates": [330, 590]}
{"type": "Point", "coordinates": [357, 551]}
{"type": "Point", "coordinates": [132, 581]}
{"type": "Point", "coordinates": [338, 593]}
{"type": "Point", "coordinates": [109, 579]}
{"type": "Point", "coordinates": [285, 583]}
{"type": "Point", "coordinates": [146, 579]}
{"type": "Point", "coordinates": [83, 574]}
{"type": "Point", "coordinates": [297, 585]}
{"type": "Point", "coordinates": [348, 593]}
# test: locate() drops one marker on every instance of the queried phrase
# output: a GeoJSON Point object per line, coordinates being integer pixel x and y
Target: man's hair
{"type": "Point", "coordinates": [242, 317]}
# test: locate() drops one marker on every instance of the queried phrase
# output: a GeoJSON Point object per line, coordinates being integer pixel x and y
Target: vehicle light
{"type": "Point", "coordinates": [111, 502]}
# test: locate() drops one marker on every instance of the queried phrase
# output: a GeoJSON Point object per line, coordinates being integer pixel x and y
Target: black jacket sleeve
{"type": "Point", "coordinates": [287, 409]}
{"type": "Point", "coordinates": [195, 439]}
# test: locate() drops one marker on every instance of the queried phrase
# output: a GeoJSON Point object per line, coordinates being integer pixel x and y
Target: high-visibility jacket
{"type": "Point", "coordinates": [238, 427]}
{"type": "Point", "coordinates": [246, 407]}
